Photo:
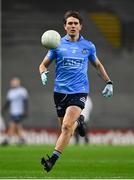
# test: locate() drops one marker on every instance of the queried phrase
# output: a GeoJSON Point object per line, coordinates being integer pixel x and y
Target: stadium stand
{"type": "Point", "coordinates": [109, 25]}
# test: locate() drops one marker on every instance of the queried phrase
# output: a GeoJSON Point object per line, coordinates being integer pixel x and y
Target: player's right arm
{"type": "Point", "coordinates": [43, 69]}
{"type": "Point", "coordinates": [5, 107]}
{"type": "Point", "coordinates": [44, 64]}
{"type": "Point", "coordinates": [50, 56]}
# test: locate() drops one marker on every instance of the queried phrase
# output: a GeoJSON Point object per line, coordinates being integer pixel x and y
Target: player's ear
{"type": "Point", "coordinates": [65, 26]}
{"type": "Point", "coordinates": [81, 26]}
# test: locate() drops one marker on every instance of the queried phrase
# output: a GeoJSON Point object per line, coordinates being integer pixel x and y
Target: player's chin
{"type": "Point", "coordinates": [72, 34]}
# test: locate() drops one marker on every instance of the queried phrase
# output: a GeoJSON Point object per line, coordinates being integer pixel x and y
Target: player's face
{"type": "Point", "coordinates": [15, 82]}
{"type": "Point", "coordinates": [72, 26]}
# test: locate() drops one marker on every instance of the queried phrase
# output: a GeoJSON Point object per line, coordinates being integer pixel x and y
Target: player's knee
{"type": "Point", "coordinates": [66, 128]}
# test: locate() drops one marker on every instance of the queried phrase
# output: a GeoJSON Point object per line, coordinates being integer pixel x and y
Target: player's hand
{"type": "Point", "coordinates": [44, 77]}
{"type": "Point", "coordinates": [108, 90]}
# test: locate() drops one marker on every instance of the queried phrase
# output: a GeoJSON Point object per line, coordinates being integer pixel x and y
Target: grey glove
{"type": "Point", "coordinates": [108, 90]}
{"type": "Point", "coordinates": [44, 76]}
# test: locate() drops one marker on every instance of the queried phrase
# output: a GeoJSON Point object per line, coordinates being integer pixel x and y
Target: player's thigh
{"type": "Point", "coordinates": [12, 128]}
{"type": "Point", "coordinates": [71, 115]}
{"type": "Point", "coordinates": [12, 125]}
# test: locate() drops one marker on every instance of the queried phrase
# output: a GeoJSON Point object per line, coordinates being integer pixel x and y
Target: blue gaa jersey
{"type": "Point", "coordinates": [71, 60]}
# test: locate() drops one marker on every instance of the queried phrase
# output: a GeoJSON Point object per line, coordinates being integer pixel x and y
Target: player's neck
{"type": "Point", "coordinates": [74, 38]}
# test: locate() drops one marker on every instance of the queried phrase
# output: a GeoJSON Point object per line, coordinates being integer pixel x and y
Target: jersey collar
{"type": "Point", "coordinates": [67, 37]}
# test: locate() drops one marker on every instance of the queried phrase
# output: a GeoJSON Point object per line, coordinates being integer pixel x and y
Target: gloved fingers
{"type": "Point", "coordinates": [107, 93]}
{"type": "Point", "coordinates": [44, 77]}
{"type": "Point", "coordinates": [44, 83]}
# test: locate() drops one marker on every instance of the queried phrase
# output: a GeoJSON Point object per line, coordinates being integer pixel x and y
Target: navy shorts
{"type": "Point", "coordinates": [62, 101]}
{"type": "Point", "coordinates": [16, 118]}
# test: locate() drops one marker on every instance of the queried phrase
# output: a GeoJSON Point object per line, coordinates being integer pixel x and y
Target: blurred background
{"type": "Point", "coordinates": [109, 24]}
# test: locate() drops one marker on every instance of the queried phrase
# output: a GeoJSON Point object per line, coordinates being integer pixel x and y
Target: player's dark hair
{"type": "Point", "coordinates": [74, 14]}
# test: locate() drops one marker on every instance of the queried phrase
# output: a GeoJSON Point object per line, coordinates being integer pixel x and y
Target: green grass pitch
{"type": "Point", "coordinates": [77, 162]}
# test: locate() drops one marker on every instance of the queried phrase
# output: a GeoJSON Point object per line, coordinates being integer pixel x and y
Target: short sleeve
{"type": "Point", "coordinates": [92, 56]}
{"type": "Point", "coordinates": [25, 93]}
{"type": "Point", "coordinates": [51, 54]}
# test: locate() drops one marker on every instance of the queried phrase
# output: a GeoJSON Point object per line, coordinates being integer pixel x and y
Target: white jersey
{"type": "Point", "coordinates": [88, 108]}
{"type": "Point", "coordinates": [16, 96]}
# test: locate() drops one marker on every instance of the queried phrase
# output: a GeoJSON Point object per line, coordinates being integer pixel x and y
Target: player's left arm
{"type": "Point", "coordinates": [101, 70]}
{"type": "Point", "coordinates": [25, 101]}
{"type": "Point", "coordinates": [108, 90]}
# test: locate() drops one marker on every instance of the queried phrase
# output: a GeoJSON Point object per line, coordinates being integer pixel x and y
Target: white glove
{"type": "Point", "coordinates": [44, 77]}
{"type": "Point", "coordinates": [108, 90]}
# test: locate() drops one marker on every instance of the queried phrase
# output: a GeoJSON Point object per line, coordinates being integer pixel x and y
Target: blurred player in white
{"type": "Point", "coordinates": [17, 104]}
{"type": "Point", "coordinates": [85, 115]}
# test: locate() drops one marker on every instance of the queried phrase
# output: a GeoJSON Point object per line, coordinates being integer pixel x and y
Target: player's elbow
{"type": "Point", "coordinates": [41, 67]}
